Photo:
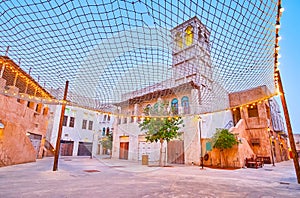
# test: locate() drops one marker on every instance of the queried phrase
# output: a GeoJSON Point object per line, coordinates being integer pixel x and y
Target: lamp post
{"type": "Point", "coordinates": [201, 153]}
{"type": "Point", "coordinates": [1, 125]}
{"type": "Point", "coordinates": [92, 145]}
{"type": "Point", "coordinates": [93, 141]}
{"type": "Point", "coordinates": [271, 145]}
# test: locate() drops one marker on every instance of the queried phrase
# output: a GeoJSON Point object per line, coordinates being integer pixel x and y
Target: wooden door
{"type": "Point", "coordinates": [175, 152]}
{"type": "Point", "coordinates": [236, 115]}
{"type": "Point", "coordinates": [144, 148]}
{"type": "Point", "coordinates": [85, 148]}
{"type": "Point", "coordinates": [66, 148]}
{"type": "Point", "coordinates": [124, 150]}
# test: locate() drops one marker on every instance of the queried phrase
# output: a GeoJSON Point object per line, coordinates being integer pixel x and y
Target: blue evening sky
{"type": "Point", "coordinates": [290, 59]}
{"type": "Point", "coordinates": [45, 45]}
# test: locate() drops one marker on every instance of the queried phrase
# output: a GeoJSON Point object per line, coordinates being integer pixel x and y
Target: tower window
{"type": "Point", "coordinates": [206, 38]}
{"type": "Point", "coordinates": [178, 40]}
{"type": "Point", "coordinates": [189, 36]}
{"type": "Point", "coordinates": [199, 33]}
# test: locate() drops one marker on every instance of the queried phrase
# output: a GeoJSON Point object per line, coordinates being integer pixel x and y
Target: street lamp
{"type": "Point", "coordinates": [93, 141]}
{"type": "Point", "coordinates": [1, 125]}
{"type": "Point", "coordinates": [201, 153]}
{"type": "Point", "coordinates": [271, 145]}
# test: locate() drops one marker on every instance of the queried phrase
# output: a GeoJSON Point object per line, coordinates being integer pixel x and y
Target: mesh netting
{"type": "Point", "coordinates": [131, 52]}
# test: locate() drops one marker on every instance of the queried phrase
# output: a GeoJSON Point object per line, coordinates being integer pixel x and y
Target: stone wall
{"type": "Point", "coordinates": [259, 131]}
{"type": "Point", "coordinates": [15, 146]}
{"type": "Point", "coordinates": [19, 120]}
{"type": "Point", "coordinates": [247, 96]}
{"type": "Point", "coordinates": [234, 157]}
{"type": "Point", "coordinates": [297, 141]}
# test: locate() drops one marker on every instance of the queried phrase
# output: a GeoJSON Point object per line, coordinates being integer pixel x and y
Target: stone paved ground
{"type": "Point", "coordinates": [85, 177]}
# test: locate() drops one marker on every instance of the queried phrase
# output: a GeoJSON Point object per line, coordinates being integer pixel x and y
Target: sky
{"type": "Point", "coordinates": [33, 50]}
{"type": "Point", "coordinates": [290, 59]}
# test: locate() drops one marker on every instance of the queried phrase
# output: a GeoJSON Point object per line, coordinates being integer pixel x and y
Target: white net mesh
{"type": "Point", "coordinates": [129, 52]}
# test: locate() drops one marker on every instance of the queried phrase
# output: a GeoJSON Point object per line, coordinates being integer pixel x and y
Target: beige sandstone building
{"type": "Point", "coordinates": [23, 116]}
{"type": "Point", "coordinates": [255, 122]}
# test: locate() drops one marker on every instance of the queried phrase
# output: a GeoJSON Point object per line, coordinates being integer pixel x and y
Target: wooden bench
{"type": "Point", "coordinates": [253, 163]}
{"type": "Point", "coordinates": [265, 160]}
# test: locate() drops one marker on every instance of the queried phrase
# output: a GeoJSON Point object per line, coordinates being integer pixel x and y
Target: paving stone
{"type": "Point", "coordinates": [97, 177]}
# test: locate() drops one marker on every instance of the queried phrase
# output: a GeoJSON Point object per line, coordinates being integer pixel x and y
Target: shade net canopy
{"type": "Point", "coordinates": [122, 52]}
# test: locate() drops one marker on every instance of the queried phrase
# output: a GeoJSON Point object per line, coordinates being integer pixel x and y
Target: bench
{"type": "Point", "coordinates": [253, 163]}
{"type": "Point", "coordinates": [265, 160]}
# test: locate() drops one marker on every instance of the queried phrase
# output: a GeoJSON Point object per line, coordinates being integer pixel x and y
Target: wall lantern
{"type": "Point", "coordinates": [1, 125]}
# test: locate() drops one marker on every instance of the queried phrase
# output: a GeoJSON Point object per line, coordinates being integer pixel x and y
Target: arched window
{"type": "Point", "coordinates": [147, 109]}
{"type": "Point", "coordinates": [189, 35]}
{"type": "Point", "coordinates": [185, 104]}
{"type": "Point", "coordinates": [178, 40]}
{"type": "Point", "coordinates": [206, 37]}
{"type": "Point", "coordinates": [199, 33]}
{"type": "Point", "coordinates": [103, 131]}
{"type": "Point", "coordinates": [174, 105]}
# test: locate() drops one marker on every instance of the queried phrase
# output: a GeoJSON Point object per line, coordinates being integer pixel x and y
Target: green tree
{"type": "Point", "coordinates": [106, 142]}
{"type": "Point", "coordinates": [161, 127]}
{"type": "Point", "coordinates": [223, 139]}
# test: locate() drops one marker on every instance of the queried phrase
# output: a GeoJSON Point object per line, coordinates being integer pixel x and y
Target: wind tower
{"type": "Point", "coordinates": [191, 61]}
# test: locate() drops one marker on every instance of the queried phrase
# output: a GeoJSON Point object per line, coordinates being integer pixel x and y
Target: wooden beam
{"type": "Point", "coordinates": [62, 113]}
{"type": "Point", "coordinates": [289, 128]}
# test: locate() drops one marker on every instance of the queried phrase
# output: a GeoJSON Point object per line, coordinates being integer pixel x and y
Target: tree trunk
{"type": "Point", "coordinates": [161, 163]}
{"type": "Point", "coordinates": [225, 159]}
{"type": "Point", "coordinates": [221, 158]}
{"type": "Point", "coordinates": [110, 154]}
